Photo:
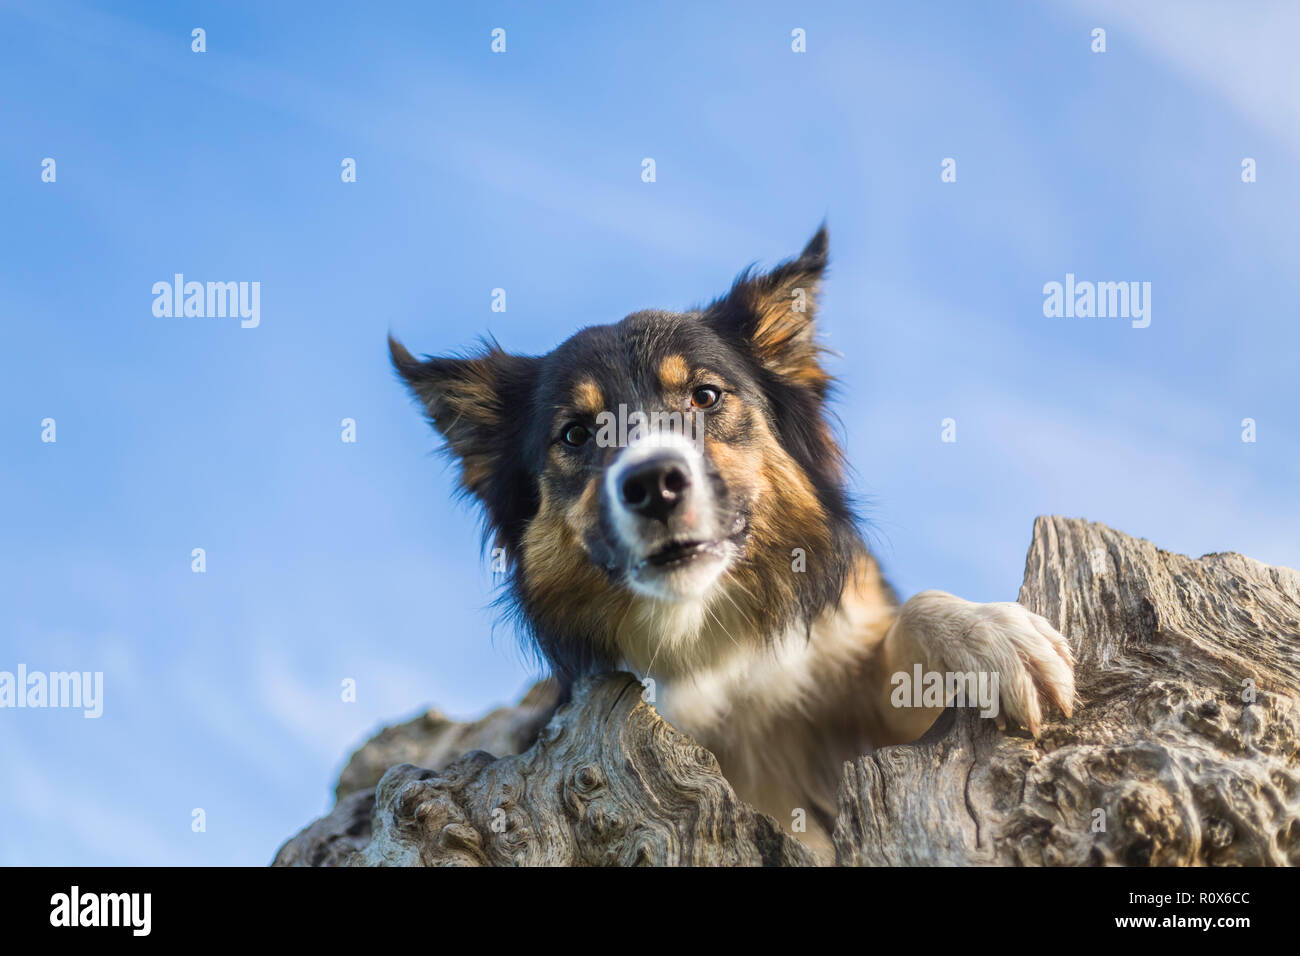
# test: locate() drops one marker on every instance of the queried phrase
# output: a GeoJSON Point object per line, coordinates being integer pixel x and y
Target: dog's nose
{"type": "Point", "coordinates": [653, 488]}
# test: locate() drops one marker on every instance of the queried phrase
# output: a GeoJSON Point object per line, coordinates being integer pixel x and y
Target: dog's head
{"type": "Point", "coordinates": [663, 486]}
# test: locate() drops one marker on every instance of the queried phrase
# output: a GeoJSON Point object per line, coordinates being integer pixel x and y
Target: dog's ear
{"type": "Point", "coordinates": [774, 314]}
{"type": "Point", "coordinates": [477, 403]}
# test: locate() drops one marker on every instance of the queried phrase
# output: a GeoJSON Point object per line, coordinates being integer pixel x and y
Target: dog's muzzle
{"type": "Point", "coordinates": [659, 502]}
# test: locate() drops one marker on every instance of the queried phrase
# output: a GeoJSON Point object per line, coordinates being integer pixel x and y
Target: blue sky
{"type": "Point", "coordinates": [328, 560]}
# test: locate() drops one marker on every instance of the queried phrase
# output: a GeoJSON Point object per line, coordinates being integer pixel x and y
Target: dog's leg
{"type": "Point", "coordinates": [947, 635]}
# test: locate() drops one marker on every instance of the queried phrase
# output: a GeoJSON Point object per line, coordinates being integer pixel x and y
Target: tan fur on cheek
{"type": "Point", "coordinates": [567, 590]}
{"type": "Point", "coordinates": [781, 494]}
{"type": "Point", "coordinates": [793, 516]}
{"type": "Point", "coordinates": [738, 466]}
{"type": "Point", "coordinates": [785, 514]}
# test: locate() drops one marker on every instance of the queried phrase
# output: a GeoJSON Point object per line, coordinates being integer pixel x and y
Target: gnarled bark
{"type": "Point", "coordinates": [608, 782]}
{"type": "Point", "coordinates": [1183, 750]}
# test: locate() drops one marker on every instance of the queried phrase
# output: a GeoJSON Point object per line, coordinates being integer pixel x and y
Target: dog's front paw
{"type": "Point", "coordinates": [1030, 660]}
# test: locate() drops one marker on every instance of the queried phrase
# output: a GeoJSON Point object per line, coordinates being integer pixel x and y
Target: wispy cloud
{"type": "Point", "coordinates": [1244, 52]}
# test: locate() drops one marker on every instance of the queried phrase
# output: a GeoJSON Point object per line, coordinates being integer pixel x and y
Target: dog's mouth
{"type": "Point", "coordinates": [680, 553]}
{"type": "Point", "coordinates": [684, 568]}
{"type": "Point", "coordinates": [680, 570]}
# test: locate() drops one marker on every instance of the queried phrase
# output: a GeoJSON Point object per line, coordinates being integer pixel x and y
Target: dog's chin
{"type": "Point", "coordinates": [682, 571]}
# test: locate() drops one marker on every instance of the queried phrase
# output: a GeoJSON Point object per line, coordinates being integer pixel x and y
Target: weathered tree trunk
{"type": "Point", "coordinates": [1183, 750]}
{"type": "Point", "coordinates": [608, 782]}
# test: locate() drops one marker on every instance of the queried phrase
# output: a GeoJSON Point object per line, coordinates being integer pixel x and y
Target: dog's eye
{"type": "Point", "coordinates": [706, 396]}
{"type": "Point", "coordinates": [575, 434]}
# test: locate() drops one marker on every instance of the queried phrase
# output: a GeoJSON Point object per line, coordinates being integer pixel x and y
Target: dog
{"type": "Point", "coordinates": [720, 557]}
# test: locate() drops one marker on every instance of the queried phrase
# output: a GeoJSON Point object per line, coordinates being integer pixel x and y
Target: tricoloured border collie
{"type": "Point", "coordinates": [670, 500]}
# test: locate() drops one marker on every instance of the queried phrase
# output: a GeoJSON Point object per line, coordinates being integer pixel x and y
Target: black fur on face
{"type": "Point", "coordinates": [584, 538]}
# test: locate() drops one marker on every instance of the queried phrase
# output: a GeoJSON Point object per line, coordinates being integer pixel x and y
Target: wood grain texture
{"type": "Point", "coordinates": [1182, 750]}
{"type": "Point", "coordinates": [434, 740]}
{"type": "Point", "coordinates": [607, 783]}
